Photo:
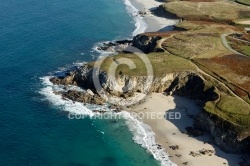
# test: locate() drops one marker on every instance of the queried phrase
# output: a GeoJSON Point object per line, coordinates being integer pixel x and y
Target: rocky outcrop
{"type": "Point", "coordinates": [193, 86]}
{"type": "Point", "coordinates": [114, 46]}
{"type": "Point", "coordinates": [226, 135]}
{"type": "Point", "coordinates": [162, 12]}
{"type": "Point", "coordinates": [188, 84]}
{"type": "Point", "coordinates": [83, 97]}
{"type": "Point", "coordinates": [146, 43]}
{"type": "Point", "coordinates": [86, 77]}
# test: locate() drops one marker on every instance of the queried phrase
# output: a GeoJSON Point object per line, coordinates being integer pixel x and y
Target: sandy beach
{"type": "Point", "coordinates": [168, 132]}
{"type": "Point", "coordinates": [154, 23]}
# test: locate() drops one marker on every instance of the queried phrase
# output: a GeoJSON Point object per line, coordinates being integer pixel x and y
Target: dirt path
{"type": "Point", "coordinates": [224, 42]}
{"type": "Point", "coordinates": [245, 22]}
{"type": "Point", "coordinates": [210, 76]}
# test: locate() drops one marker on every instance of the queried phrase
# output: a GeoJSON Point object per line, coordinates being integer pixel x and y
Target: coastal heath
{"type": "Point", "coordinates": [114, 81]}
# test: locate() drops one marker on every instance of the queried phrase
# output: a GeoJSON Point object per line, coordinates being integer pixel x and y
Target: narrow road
{"type": "Point", "coordinates": [224, 42]}
{"type": "Point", "coordinates": [221, 83]}
{"type": "Point", "coordinates": [203, 72]}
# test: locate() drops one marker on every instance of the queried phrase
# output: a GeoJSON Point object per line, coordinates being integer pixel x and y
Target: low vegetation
{"type": "Point", "coordinates": [231, 109]}
{"type": "Point", "coordinates": [198, 47]}
{"type": "Point", "coordinates": [240, 43]}
{"type": "Point", "coordinates": [208, 11]}
{"type": "Point", "coordinates": [190, 45]}
{"type": "Point", "coordinates": [162, 63]}
{"type": "Point", "coordinates": [208, 27]}
{"type": "Point", "coordinates": [244, 2]}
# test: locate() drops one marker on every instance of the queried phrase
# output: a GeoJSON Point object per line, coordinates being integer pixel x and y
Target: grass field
{"type": "Point", "coordinates": [206, 50]}
{"type": "Point", "coordinates": [228, 106]}
{"type": "Point", "coordinates": [242, 45]}
{"type": "Point", "coordinates": [246, 50]}
{"type": "Point", "coordinates": [162, 63]}
{"type": "Point", "coordinates": [208, 11]}
{"type": "Point", "coordinates": [190, 45]}
{"type": "Point", "coordinates": [200, 49]}
{"type": "Point", "coordinates": [231, 109]}
{"type": "Point", "coordinates": [232, 70]}
{"type": "Point", "coordinates": [245, 2]}
{"type": "Point", "coordinates": [208, 27]}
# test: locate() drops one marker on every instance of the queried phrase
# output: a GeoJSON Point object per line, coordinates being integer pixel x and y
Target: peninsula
{"type": "Point", "coordinates": [199, 51]}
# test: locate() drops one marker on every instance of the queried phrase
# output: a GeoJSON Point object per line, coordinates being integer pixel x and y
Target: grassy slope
{"type": "Point", "coordinates": [210, 11]}
{"type": "Point", "coordinates": [162, 63]}
{"type": "Point", "coordinates": [246, 50]}
{"type": "Point", "coordinates": [242, 47]}
{"type": "Point", "coordinates": [201, 46]}
{"type": "Point", "coordinates": [245, 2]}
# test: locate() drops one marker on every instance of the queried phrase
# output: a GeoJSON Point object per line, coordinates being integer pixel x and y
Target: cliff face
{"type": "Point", "coordinates": [85, 78]}
{"type": "Point", "coordinates": [146, 43]}
{"type": "Point", "coordinates": [194, 87]}
{"type": "Point", "coordinates": [224, 134]}
{"type": "Point", "coordinates": [186, 84]}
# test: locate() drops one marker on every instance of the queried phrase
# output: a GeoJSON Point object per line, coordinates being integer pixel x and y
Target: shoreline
{"type": "Point", "coordinates": [166, 132]}
{"type": "Point", "coordinates": [154, 23]}
{"type": "Point", "coordinates": [169, 132]}
{"type": "Point", "coordinates": [161, 127]}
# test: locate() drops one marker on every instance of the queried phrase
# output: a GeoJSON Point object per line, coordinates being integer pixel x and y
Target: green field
{"type": "Point", "coordinates": [246, 50]}
{"type": "Point", "coordinates": [162, 63]}
{"type": "Point", "coordinates": [220, 11]}
{"type": "Point", "coordinates": [245, 2]}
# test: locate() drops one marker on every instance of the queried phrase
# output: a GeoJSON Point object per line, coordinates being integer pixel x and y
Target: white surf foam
{"type": "Point", "coordinates": [144, 136]}
{"type": "Point", "coordinates": [140, 27]}
{"type": "Point", "coordinates": [67, 105]}
{"type": "Point", "coordinates": [140, 24]}
{"type": "Point", "coordinates": [142, 133]}
{"type": "Point", "coordinates": [101, 53]}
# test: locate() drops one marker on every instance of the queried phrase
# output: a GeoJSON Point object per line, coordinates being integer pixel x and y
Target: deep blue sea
{"type": "Point", "coordinates": [40, 37]}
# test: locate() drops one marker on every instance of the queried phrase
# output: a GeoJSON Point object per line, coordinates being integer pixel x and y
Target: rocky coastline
{"type": "Point", "coordinates": [193, 84]}
{"type": "Point", "coordinates": [187, 84]}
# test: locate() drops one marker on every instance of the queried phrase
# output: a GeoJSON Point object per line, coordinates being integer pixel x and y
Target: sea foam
{"type": "Point", "coordinates": [140, 24]}
{"type": "Point", "coordinates": [142, 133]}
{"type": "Point", "coordinates": [144, 136]}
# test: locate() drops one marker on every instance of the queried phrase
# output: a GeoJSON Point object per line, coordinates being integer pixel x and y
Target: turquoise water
{"type": "Point", "coordinates": [39, 37]}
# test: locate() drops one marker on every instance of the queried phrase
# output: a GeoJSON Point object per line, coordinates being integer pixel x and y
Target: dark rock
{"type": "Point", "coordinates": [174, 147]}
{"type": "Point", "coordinates": [127, 94]}
{"type": "Point", "coordinates": [114, 46]}
{"type": "Point", "coordinates": [83, 97]}
{"type": "Point", "coordinates": [185, 163]}
{"type": "Point", "coordinates": [193, 86]}
{"type": "Point", "coordinates": [178, 155]}
{"type": "Point", "coordinates": [224, 134]}
{"type": "Point", "coordinates": [145, 43]}
{"type": "Point", "coordinates": [194, 132]}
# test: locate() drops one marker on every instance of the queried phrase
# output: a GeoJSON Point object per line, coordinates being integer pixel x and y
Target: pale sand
{"type": "Point", "coordinates": [244, 22]}
{"type": "Point", "coordinates": [155, 23]}
{"type": "Point", "coordinates": [168, 131]}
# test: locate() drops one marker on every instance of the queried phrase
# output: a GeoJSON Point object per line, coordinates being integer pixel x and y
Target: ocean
{"type": "Point", "coordinates": [37, 39]}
